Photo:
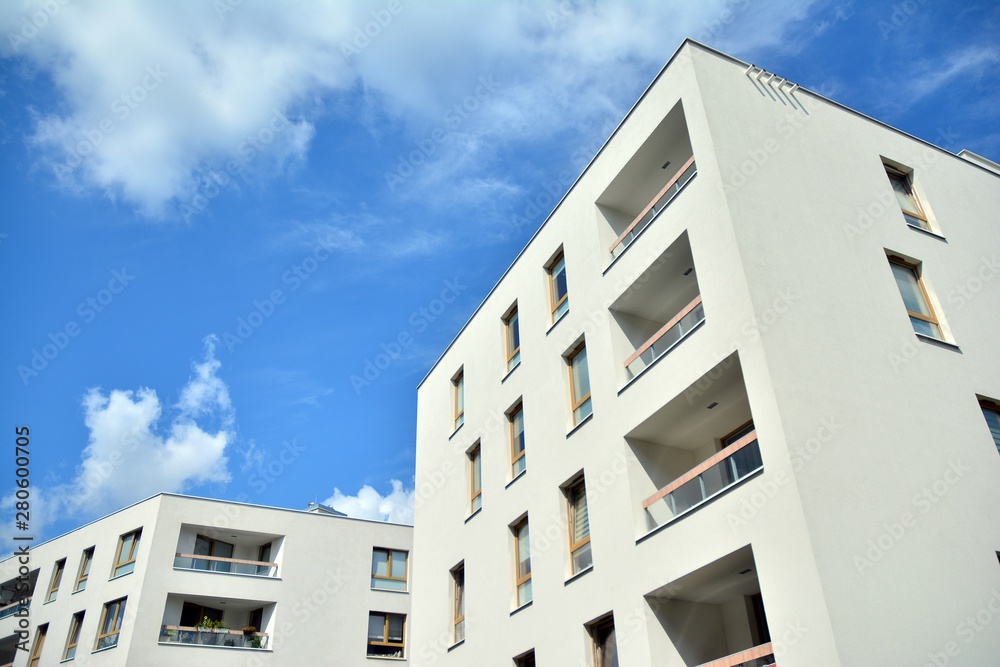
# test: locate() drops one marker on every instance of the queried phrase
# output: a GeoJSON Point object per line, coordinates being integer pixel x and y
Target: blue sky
{"type": "Point", "coordinates": [235, 236]}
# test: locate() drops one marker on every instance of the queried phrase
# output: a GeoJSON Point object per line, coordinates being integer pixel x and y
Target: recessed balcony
{"type": "Point", "coordinates": [239, 552]}
{"type": "Point", "coordinates": [648, 183]}
{"type": "Point", "coordinates": [216, 622]}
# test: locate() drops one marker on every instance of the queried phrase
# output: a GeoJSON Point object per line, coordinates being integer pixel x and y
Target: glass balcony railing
{"type": "Point", "coordinates": [655, 207]}
{"type": "Point", "coordinates": [228, 565]}
{"type": "Point", "coordinates": [177, 634]}
{"type": "Point", "coordinates": [14, 608]}
{"type": "Point", "coordinates": [758, 656]}
{"type": "Point", "coordinates": [664, 340]}
{"type": "Point", "coordinates": [706, 480]}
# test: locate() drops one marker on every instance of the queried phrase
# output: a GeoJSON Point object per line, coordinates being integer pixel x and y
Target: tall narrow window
{"type": "Point", "coordinates": [128, 547]}
{"type": "Point", "coordinates": [526, 660]}
{"type": "Point", "coordinates": [458, 397]}
{"type": "Point", "coordinates": [908, 202]}
{"type": "Point", "coordinates": [476, 477]}
{"type": "Point", "coordinates": [264, 556]}
{"type": "Point", "coordinates": [55, 581]}
{"type": "Point", "coordinates": [111, 624]}
{"type": "Point", "coordinates": [207, 546]}
{"type": "Point", "coordinates": [458, 613]}
{"type": "Point", "coordinates": [518, 461]}
{"type": "Point", "coordinates": [579, 526]}
{"type": "Point", "coordinates": [522, 571]}
{"type": "Point", "coordinates": [558, 292]}
{"type": "Point", "coordinates": [386, 635]}
{"type": "Point", "coordinates": [992, 413]}
{"type": "Point", "coordinates": [74, 636]}
{"type": "Point", "coordinates": [602, 633]}
{"type": "Point", "coordinates": [36, 650]}
{"type": "Point", "coordinates": [579, 383]}
{"type": "Point", "coordinates": [918, 307]}
{"type": "Point", "coordinates": [389, 569]}
{"type": "Point", "coordinates": [512, 335]}
{"type": "Point", "coordinates": [84, 573]}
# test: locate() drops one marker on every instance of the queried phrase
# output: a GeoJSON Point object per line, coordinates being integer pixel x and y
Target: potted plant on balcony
{"type": "Point", "coordinates": [209, 631]}
{"type": "Point", "coordinates": [257, 642]}
{"type": "Point", "coordinates": [249, 630]}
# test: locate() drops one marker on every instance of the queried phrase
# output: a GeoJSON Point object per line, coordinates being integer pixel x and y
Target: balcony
{"type": "Point", "coordinates": [658, 310]}
{"type": "Point", "coordinates": [251, 568]}
{"type": "Point", "coordinates": [178, 634]}
{"type": "Point", "coordinates": [697, 447]}
{"type": "Point", "coordinates": [14, 608]}
{"type": "Point", "coordinates": [647, 184]}
{"type": "Point", "coordinates": [228, 551]}
{"type": "Point", "coordinates": [712, 617]}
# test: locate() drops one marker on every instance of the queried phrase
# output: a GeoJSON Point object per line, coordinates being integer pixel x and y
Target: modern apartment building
{"type": "Point", "coordinates": [727, 406]}
{"type": "Point", "coordinates": [176, 580]}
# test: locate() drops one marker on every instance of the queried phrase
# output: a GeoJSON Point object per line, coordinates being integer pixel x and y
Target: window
{"type": "Point", "coordinates": [56, 578]}
{"type": "Point", "coordinates": [264, 556]}
{"type": "Point", "coordinates": [579, 526]}
{"type": "Point", "coordinates": [558, 294]}
{"type": "Point", "coordinates": [389, 569]}
{"type": "Point", "coordinates": [255, 618]}
{"type": "Point", "coordinates": [522, 572]}
{"type": "Point", "coordinates": [579, 383]}
{"type": "Point", "coordinates": [207, 546]}
{"type": "Point", "coordinates": [128, 547]}
{"type": "Point", "coordinates": [193, 614]}
{"type": "Point", "coordinates": [476, 477]}
{"type": "Point", "coordinates": [84, 574]}
{"type": "Point", "coordinates": [386, 635]}
{"type": "Point", "coordinates": [36, 650]}
{"type": "Point", "coordinates": [111, 624]}
{"type": "Point", "coordinates": [602, 634]}
{"type": "Point", "coordinates": [518, 462]}
{"type": "Point", "coordinates": [526, 660]}
{"type": "Point", "coordinates": [458, 613]}
{"type": "Point", "coordinates": [992, 413]}
{"type": "Point", "coordinates": [908, 202]}
{"type": "Point", "coordinates": [512, 335]}
{"type": "Point", "coordinates": [911, 288]}
{"type": "Point", "coordinates": [458, 383]}
{"type": "Point", "coordinates": [74, 636]}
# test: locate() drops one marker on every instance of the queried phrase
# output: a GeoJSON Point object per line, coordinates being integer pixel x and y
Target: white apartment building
{"type": "Point", "coordinates": [176, 580]}
{"type": "Point", "coordinates": [727, 406]}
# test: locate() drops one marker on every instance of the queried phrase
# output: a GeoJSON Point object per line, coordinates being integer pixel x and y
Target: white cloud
{"type": "Point", "coordinates": [130, 455]}
{"type": "Point", "coordinates": [395, 507]}
{"type": "Point", "coordinates": [183, 85]}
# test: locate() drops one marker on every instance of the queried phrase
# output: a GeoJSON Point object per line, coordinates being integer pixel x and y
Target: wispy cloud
{"type": "Point", "coordinates": [930, 76]}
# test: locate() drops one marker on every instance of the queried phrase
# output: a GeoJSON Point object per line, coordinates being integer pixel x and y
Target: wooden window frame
{"type": "Point", "coordinates": [518, 409]}
{"type": "Point", "coordinates": [907, 181]}
{"type": "Point", "coordinates": [573, 402]}
{"type": "Point", "coordinates": [73, 638]}
{"type": "Point", "coordinates": [41, 632]}
{"type": "Point", "coordinates": [458, 388]}
{"type": "Point", "coordinates": [119, 609]}
{"type": "Point", "coordinates": [511, 321]}
{"type": "Point", "coordinates": [457, 615]}
{"type": "Point", "coordinates": [385, 631]}
{"type": "Point", "coordinates": [577, 485]}
{"type": "Point", "coordinates": [476, 453]}
{"type": "Point", "coordinates": [55, 580]}
{"type": "Point", "coordinates": [388, 566]}
{"type": "Point", "coordinates": [915, 268]}
{"type": "Point", "coordinates": [83, 572]}
{"type": "Point", "coordinates": [594, 627]}
{"type": "Point", "coordinates": [518, 579]}
{"type": "Point", "coordinates": [132, 555]}
{"type": "Point", "coordinates": [549, 270]}
{"type": "Point", "coordinates": [986, 405]}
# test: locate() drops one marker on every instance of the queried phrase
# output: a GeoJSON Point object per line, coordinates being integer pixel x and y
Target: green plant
{"type": "Point", "coordinates": [207, 623]}
{"type": "Point", "coordinates": [257, 642]}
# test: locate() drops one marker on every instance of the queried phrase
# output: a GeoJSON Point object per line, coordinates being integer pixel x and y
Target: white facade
{"type": "Point", "coordinates": [302, 579]}
{"type": "Point", "coordinates": [858, 508]}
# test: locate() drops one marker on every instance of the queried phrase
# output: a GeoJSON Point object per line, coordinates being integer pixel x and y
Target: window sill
{"type": "Point", "coordinates": [469, 518]}
{"type": "Point", "coordinates": [390, 590]}
{"type": "Point", "coordinates": [517, 477]}
{"type": "Point", "coordinates": [558, 320]}
{"type": "Point", "coordinates": [456, 430]}
{"type": "Point", "coordinates": [79, 591]}
{"type": "Point", "coordinates": [49, 601]}
{"type": "Point", "coordinates": [108, 648]}
{"type": "Point", "coordinates": [384, 657]}
{"type": "Point", "coordinates": [523, 606]}
{"type": "Point", "coordinates": [510, 372]}
{"type": "Point", "coordinates": [927, 232]}
{"type": "Point", "coordinates": [120, 576]}
{"type": "Point", "coordinates": [937, 341]}
{"type": "Point", "coordinates": [580, 425]}
{"type": "Point", "coordinates": [456, 645]}
{"type": "Point", "coordinates": [578, 575]}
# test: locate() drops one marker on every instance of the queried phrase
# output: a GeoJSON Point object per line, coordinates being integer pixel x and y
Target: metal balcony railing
{"type": "Point", "coordinates": [655, 207]}
{"type": "Point", "coordinates": [14, 607]}
{"type": "Point", "coordinates": [179, 634]}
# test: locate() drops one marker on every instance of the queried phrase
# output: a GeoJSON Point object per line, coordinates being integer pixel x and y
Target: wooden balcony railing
{"type": "Point", "coordinates": [650, 351]}
{"type": "Point", "coordinates": [231, 565]}
{"type": "Point", "coordinates": [744, 657]}
{"type": "Point", "coordinates": [662, 197]}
